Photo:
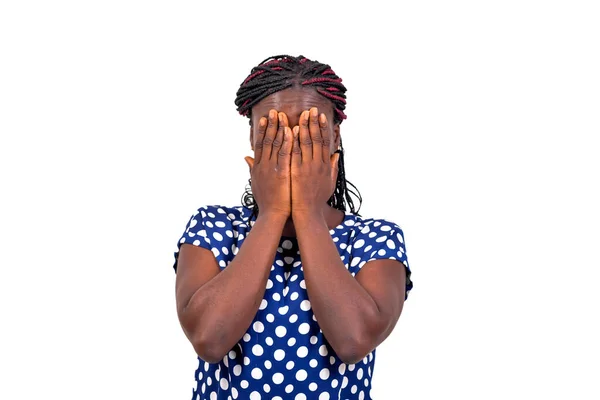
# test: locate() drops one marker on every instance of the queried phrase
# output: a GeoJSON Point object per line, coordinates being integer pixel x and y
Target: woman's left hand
{"type": "Point", "coordinates": [314, 169]}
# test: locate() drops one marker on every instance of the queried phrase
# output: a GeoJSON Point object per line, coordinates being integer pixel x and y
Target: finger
{"type": "Point", "coordinates": [260, 136]}
{"type": "Point", "coordinates": [278, 141]}
{"type": "Point", "coordinates": [250, 161]}
{"type": "Point", "coordinates": [270, 135]}
{"type": "Point", "coordinates": [306, 146]}
{"type": "Point", "coordinates": [325, 137]}
{"type": "Point", "coordinates": [285, 153]}
{"type": "Point", "coordinates": [296, 151]}
{"type": "Point", "coordinates": [315, 134]}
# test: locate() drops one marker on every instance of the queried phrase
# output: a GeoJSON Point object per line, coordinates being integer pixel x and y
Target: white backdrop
{"type": "Point", "coordinates": [471, 124]}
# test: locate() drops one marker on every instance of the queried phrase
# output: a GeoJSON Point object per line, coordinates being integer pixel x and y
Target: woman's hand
{"type": "Point", "coordinates": [270, 169]}
{"type": "Point", "coordinates": [314, 170]}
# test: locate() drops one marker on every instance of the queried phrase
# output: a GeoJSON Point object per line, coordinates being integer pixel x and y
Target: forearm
{"type": "Point", "coordinates": [346, 313]}
{"type": "Point", "coordinates": [220, 312]}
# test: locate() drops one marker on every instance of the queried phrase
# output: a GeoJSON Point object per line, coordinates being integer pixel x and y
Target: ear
{"type": "Point", "coordinates": [336, 135]}
{"type": "Point", "coordinates": [251, 137]}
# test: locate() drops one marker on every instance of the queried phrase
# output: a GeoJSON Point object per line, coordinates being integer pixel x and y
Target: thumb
{"type": "Point", "coordinates": [250, 161]}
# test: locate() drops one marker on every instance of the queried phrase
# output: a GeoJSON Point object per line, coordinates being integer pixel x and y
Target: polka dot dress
{"type": "Point", "coordinates": [283, 354]}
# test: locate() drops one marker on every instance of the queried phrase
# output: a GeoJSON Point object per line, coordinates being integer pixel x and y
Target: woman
{"type": "Point", "coordinates": [288, 295]}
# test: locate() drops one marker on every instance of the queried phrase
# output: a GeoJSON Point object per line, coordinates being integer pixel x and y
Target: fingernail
{"type": "Point", "coordinates": [323, 118]}
{"type": "Point", "coordinates": [280, 117]}
{"type": "Point", "coordinates": [271, 114]}
{"type": "Point", "coordinates": [262, 122]}
{"type": "Point", "coordinates": [314, 111]}
{"type": "Point", "coordinates": [296, 130]}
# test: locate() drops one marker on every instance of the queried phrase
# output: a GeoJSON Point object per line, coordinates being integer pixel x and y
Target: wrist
{"type": "Point", "coordinates": [307, 217]}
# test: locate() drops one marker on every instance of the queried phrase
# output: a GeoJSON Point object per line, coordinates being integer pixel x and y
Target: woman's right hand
{"type": "Point", "coordinates": [270, 169]}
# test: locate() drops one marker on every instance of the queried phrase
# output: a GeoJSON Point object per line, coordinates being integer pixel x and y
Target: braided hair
{"type": "Point", "coordinates": [277, 73]}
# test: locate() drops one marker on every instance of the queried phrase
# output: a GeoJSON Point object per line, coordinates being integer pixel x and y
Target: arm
{"type": "Point", "coordinates": [216, 308]}
{"type": "Point", "coordinates": [355, 314]}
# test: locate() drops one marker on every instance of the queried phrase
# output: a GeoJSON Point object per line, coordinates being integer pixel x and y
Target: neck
{"type": "Point", "coordinates": [333, 216]}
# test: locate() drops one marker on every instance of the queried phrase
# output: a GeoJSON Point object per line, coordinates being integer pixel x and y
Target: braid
{"type": "Point", "coordinates": [281, 72]}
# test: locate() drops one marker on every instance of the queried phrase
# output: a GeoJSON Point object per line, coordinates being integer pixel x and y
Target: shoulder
{"type": "Point", "coordinates": [217, 222]}
{"type": "Point", "coordinates": [374, 228]}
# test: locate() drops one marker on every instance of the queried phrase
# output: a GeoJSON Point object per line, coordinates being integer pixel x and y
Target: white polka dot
{"type": "Point", "coordinates": [294, 295]}
{"type": "Point", "coordinates": [300, 396]}
{"type": "Point", "coordinates": [351, 367]}
{"type": "Point", "coordinates": [234, 392]}
{"type": "Point", "coordinates": [224, 384]}
{"type": "Point", "coordinates": [258, 327]}
{"type": "Point", "coordinates": [268, 364]}
{"type": "Point", "coordinates": [220, 224]}
{"type": "Point", "coordinates": [237, 370]}
{"type": "Point", "coordinates": [257, 373]}
{"type": "Point", "coordinates": [355, 261]}
{"type": "Point", "coordinates": [332, 360]}
{"type": "Point", "coordinates": [269, 341]}
{"type": "Point", "coordinates": [304, 328]}
{"type": "Point", "coordinates": [305, 305]}
{"type": "Point", "coordinates": [279, 354]}
{"type": "Point", "coordinates": [359, 243]}
{"type": "Point", "coordinates": [210, 214]}
{"type": "Point", "coordinates": [313, 340]}
{"type": "Point", "coordinates": [386, 228]}
{"type": "Point", "coordinates": [366, 382]}
{"type": "Point", "coordinates": [276, 296]}
{"type": "Point", "coordinates": [269, 284]}
{"type": "Point", "coordinates": [293, 318]}
{"type": "Point", "coordinates": [313, 363]}
{"type": "Point", "coordinates": [270, 317]}
{"type": "Point", "coordinates": [289, 365]}
{"type": "Point", "coordinates": [215, 251]}
{"type": "Point", "coordinates": [301, 375]}
{"type": "Point", "coordinates": [293, 279]}
{"type": "Point", "coordinates": [354, 389]}
{"type": "Point", "coordinates": [324, 396]}
{"type": "Point", "coordinates": [280, 331]}
{"type": "Point", "coordinates": [283, 310]}
{"type": "Point", "coordinates": [390, 243]}
{"type": "Point", "coordinates": [292, 341]}
{"type": "Point", "coordinates": [257, 350]}
{"type": "Point", "coordinates": [303, 284]}
{"type": "Point", "coordinates": [334, 383]}
{"type": "Point", "coordinates": [276, 398]}
{"type": "Point", "coordinates": [246, 337]}
{"type": "Point", "coordinates": [279, 278]}
{"type": "Point", "coordinates": [217, 236]}
{"type": "Point", "coordinates": [323, 350]}
{"type": "Point", "coordinates": [287, 244]}
{"type": "Point", "coordinates": [246, 361]}
{"type": "Point", "coordinates": [255, 395]}
{"type": "Point", "coordinates": [263, 304]}
{"type": "Point", "coordinates": [302, 351]}
{"type": "Point", "coordinates": [344, 382]}
{"type": "Point", "coordinates": [324, 374]}
{"type": "Point", "coordinates": [361, 395]}
{"type": "Point", "coordinates": [289, 388]}
{"type": "Point", "coordinates": [277, 378]}
{"type": "Point", "coordinates": [286, 289]}
{"type": "Point", "coordinates": [359, 373]}
{"type": "Point", "coordinates": [193, 223]}
{"type": "Point", "coordinates": [313, 386]}
{"type": "Point", "coordinates": [266, 388]}
{"type": "Point", "coordinates": [381, 252]}
{"type": "Point", "coordinates": [342, 368]}
{"type": "Point", "coordinates": [213, 396]}
{"type": "Point", "coordinates": [244, 384]}
{"type": "Point", "coordinates": [209, 381]}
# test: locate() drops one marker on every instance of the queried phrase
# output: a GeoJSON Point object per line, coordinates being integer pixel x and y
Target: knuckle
{"type": "Point", "coordinates": [267, 141]}
{"type": "Point", "coordinates": [326, 142]}
{"type": "Point", "coordinates": [306, 141]}
{"type": "Point", "coordinates": [277, 142]}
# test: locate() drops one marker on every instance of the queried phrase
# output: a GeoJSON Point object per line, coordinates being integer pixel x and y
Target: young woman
{"type": "Point", "coordinates": [288, 295]}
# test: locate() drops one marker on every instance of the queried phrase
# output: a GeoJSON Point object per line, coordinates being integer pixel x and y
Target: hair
{"type": "Point", "coordinates": [277, 73]}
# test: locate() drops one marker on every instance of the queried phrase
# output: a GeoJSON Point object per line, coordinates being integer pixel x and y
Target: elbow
{"type": "Point", "coordinates": [354, 350]}
{"type": "Point", "coordinates": [208, 349]}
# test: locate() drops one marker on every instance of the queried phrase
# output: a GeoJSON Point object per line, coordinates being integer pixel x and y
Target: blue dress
{"type": "Point", "coordinates": [283, 354]}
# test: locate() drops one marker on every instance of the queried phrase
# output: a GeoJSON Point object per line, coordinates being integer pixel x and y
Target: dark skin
{"type": "Point", "coordinates": [293, 175]}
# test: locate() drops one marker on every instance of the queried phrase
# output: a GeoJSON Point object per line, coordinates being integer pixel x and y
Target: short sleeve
{"type": "Point", "coordinates": [380, 239]}
{"type": "Point", "coordinates": [209, 227]}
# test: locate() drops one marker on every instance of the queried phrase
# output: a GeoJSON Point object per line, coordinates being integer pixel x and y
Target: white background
{"type": "Point", "coordinates": [473, 125]}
